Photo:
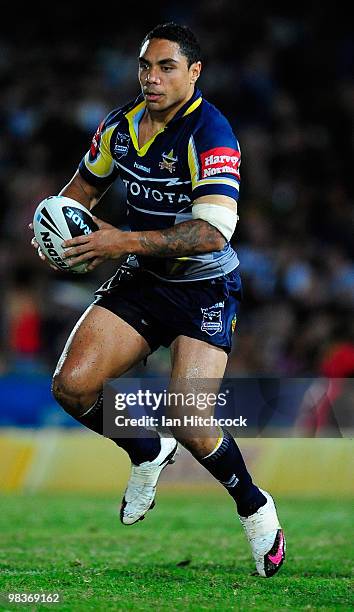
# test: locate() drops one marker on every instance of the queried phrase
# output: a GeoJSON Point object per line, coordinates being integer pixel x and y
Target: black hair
{"type": "Point", "coordinates": [180, 34]}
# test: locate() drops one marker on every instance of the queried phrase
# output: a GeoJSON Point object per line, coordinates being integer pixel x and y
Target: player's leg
{"type": "Point", "coordinates": [199, 367]}
{"type": "Point", "coordinates": [194, 363]}
{"type": "Point", "coordinates": [101, 346]}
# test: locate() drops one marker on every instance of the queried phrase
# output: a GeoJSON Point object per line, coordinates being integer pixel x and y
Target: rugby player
{"type": "Point", "coordinates": [180, 286]}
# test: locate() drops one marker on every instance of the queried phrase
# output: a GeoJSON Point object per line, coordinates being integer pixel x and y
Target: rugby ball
{"type": "Point", "coordinates": [59, 218]}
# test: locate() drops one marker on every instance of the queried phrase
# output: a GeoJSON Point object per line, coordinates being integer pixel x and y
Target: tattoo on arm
{"type": "Point", "coordinates": [187, 238]}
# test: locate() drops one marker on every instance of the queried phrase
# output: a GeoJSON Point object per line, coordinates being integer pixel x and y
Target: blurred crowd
{"type": "Point", "coordinates": [283, 77]}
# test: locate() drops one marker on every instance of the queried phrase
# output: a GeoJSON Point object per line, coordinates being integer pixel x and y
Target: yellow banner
{"type": "Point", "coordinates": [58, 460]}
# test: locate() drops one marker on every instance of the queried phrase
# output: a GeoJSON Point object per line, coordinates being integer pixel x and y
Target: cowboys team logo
{"type": "Point", "coordinates": [122, 145]}
{"type": "Point", "coordinates": [168, 162]}
{"type": "Point", "coordinates": [212, 319]}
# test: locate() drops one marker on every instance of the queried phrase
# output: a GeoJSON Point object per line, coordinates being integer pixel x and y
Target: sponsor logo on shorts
{"type": "Point", "coordinates": [220, 160]}
{"type": "Point", "coordinates": [212, 319]}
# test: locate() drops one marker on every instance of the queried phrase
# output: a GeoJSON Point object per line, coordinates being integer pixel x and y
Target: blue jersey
{"type": "Point", "coordinates": [195, 154]}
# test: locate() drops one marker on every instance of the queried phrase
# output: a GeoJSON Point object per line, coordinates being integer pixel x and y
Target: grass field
{"type": "Point", "coordinates": [189, 554]}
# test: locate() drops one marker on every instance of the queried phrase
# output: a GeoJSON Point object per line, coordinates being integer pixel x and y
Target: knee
{"type": "Point", "coordinates": [199, 444]}
{"type": "Point", "coordinates": [73, 394]}
{"type": "Point", "coordinates": [196, 446]}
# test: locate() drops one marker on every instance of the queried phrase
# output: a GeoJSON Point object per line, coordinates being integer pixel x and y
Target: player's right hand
{"type": "Point", "coordinates": [36, 246]}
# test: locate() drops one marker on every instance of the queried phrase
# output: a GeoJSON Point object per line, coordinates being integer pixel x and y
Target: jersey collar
{"type": "Point", "coordinates": [139, 104]}
{"type": "Point", "coordinates": [189, 106]}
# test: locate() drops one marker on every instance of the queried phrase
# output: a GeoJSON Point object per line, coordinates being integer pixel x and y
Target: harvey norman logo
{"type": "Point", "coordinates": [219, 161]}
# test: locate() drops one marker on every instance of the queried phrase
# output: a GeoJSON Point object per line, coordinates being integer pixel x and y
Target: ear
{"type": "Point", "coordinates": [194, 71]}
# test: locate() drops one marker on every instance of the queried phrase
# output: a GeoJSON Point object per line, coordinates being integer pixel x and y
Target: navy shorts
{"type": "Point", "coordinates": [161, 311]}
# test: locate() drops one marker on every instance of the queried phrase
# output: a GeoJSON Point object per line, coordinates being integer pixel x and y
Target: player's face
{"type": "Point", "coordinates": [166, 81]}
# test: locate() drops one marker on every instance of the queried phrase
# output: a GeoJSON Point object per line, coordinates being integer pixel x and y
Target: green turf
{"type": "Point", "coordinates": [189, 554]}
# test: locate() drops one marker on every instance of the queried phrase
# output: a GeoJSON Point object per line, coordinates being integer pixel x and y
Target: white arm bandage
{"type": "Point", "coordinates": [221, 217]}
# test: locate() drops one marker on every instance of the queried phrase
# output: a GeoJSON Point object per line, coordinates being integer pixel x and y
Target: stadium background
{"type": "Point", "coordinates": [282, 76]}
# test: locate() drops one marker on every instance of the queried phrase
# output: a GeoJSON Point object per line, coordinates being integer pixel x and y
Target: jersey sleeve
{"type": "Point", "coordinates": [97, 167]}
{"type": "Point", "coordinates": [214, 159]}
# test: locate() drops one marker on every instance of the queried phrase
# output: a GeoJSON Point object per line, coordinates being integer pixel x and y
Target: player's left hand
{"type": "Point", "coordinates": [106, 243]}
